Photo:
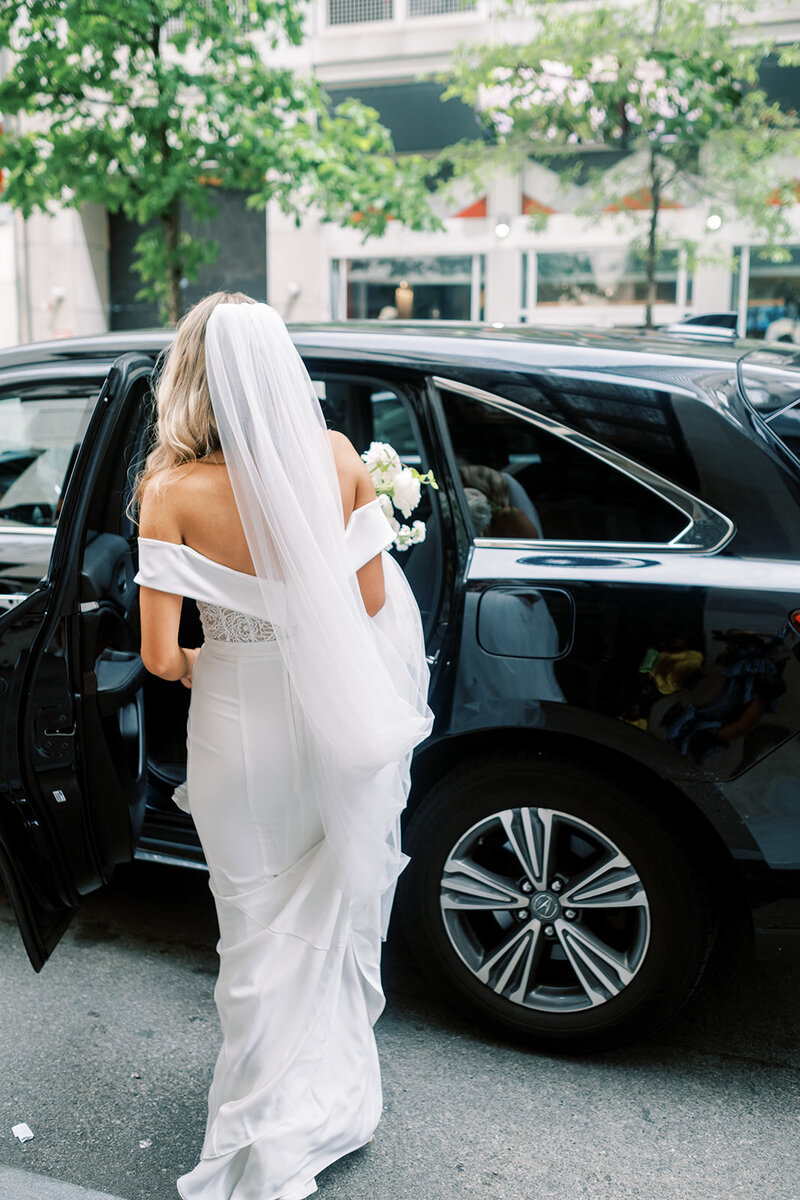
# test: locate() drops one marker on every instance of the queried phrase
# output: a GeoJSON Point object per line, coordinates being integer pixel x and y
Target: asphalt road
{"type": "Point", "coordinates": [107, 1055]}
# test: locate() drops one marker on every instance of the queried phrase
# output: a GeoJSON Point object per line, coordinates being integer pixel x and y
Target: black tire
{"type": "Point", "coordinates": [665, 931]}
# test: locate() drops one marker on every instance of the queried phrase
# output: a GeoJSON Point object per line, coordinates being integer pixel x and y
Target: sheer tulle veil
{"type": "Point", "coordinates": [361, 682]}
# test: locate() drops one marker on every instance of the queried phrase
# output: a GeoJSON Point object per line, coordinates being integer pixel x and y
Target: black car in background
{"type": "Point", "coordinates": [610, 589]}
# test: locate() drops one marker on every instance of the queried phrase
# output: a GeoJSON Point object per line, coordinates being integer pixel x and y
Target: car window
{"type": "Point", "coordinates": [40, 432]}
{"type": "Point", "coordinates": [370, 411]}
{"type": "Point", "coordinates": [391, 422]}
{"type": "Point", "coordinates": [523, 482]}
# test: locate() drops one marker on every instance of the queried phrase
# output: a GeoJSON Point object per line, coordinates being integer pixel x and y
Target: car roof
{"type": "Point", "coordinates": [435, 344]}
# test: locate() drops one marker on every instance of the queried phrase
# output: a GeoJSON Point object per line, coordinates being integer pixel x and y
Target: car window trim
{"type": "Point", "coordinates": [64, 373]}
{"type": "Point", "coordinates": [714, 528]}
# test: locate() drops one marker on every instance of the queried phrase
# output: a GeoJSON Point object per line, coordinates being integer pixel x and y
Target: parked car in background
{"type": "Point", "coordinates": [772, 322]}
{"type": "Point", "coordinates": [610, 591]}
{"type": "Point", "coordinates": [719, 325]}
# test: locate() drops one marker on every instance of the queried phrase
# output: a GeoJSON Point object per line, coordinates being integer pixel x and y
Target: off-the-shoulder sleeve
{"type": "Point", "coordinates": [367, 533]}
{"type": "Point", "coordinates": [163, 567]}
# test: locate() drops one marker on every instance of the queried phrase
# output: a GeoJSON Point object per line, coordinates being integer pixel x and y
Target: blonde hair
{"type": "Point", "coordinates": [185, 429]}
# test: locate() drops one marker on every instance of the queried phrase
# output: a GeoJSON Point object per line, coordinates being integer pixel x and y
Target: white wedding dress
{"type": "Point", "coordinates": [297, 1082]}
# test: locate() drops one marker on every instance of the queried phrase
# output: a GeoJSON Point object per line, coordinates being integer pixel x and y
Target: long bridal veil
{"type": "Point", "coordinates": [361, 682]}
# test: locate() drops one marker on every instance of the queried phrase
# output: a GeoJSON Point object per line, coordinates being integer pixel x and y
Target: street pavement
{"type": "Point", "coordinates": [108, 1053]}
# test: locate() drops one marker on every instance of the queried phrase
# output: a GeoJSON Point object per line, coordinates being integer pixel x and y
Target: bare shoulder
{"type": "Point", "coordinates": [348, 461]}
{"type": "Point", "coordinates": [166, 499]}
{"type": "Point", "coordinates": [343, 448]}
{"type": "Point", "coordinates": [354, 477]}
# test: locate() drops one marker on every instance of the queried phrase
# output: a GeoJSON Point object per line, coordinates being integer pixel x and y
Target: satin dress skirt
{"type": "Point", "coordinates": [297, 1082]}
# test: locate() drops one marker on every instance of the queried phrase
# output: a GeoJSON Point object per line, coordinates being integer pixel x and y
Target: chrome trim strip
{"type": "Point", "coordinates": [170, 860]}
{"type": "Point", "coordinates": [588, 547]}
{"type": "Point", "coordinates": [501, 564]}
{"type": "Point", "coordinates": [67, 372]}
{"type": "Point", "coordinates": [709, 528]}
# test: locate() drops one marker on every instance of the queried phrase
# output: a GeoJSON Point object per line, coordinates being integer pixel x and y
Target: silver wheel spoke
{"type": "Point", "coordinates": [531, 838]}
{"type": "Point", "coordinates": [499, 969]}
{"type": "Point", "coordinates": [614, 884]}
{"type": "Point", "coordinates": [519, 993]}
{"type": "Point", "coordinates": [601, 971]}
{"type": "Point", "coordinates": [465, 885]}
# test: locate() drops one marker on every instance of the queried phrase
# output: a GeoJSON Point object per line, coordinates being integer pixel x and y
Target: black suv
{"type": "Point", "coordinates": [610, 588]}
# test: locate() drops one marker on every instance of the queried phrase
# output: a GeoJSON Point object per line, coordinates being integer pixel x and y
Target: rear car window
{"type": "Point", "coordinates": [41, 429]}
{"type": "Point", "coordinates": [522, 482]}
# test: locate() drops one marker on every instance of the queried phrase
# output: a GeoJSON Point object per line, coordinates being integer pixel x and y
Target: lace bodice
{"type": "Point", "coordinates": [228, 625]}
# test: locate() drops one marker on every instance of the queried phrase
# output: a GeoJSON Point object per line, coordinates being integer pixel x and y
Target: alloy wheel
{"type": "Point", "coordinates": [545, 910]}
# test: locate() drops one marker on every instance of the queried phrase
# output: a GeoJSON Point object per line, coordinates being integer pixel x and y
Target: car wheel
{"type": "Point", "coordinates": [556, 904]}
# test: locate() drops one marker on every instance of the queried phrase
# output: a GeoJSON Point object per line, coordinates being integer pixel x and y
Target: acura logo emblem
{"type": "Point", "coordinates": [545, 906]}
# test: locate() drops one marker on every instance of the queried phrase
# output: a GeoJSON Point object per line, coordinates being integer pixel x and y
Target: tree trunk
{"type": "Point", "coordinates": [652, 240]}
{"type": "Point", "coordinates": [172, 233]}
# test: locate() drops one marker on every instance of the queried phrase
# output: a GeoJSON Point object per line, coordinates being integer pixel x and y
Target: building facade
{"type": "Point", "coordinates": [70, 273]}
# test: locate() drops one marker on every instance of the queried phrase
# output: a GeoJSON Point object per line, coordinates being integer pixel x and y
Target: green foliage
{"type": "Point", "coordinates": [674, 83]}
{"type": "Point", "coordinates": [146, 107]}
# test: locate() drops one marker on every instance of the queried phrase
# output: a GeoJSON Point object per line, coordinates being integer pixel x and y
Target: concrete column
{"type": "Point", "coordinates": [298, 267]}
{"type": "Point", "coordinates": [503, 262]}
{"type": "Point", "coordinates": [9, 297]}
{"type": "Point", "coordinates": [68, 260]}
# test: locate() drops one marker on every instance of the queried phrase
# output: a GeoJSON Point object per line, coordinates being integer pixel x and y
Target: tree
{"type": "Point", "coordinates": [672, 83]}
{"type": "Point", "coordinates": [141, 106]}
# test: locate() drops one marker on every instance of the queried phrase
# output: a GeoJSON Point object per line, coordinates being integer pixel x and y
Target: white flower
{"type": "Point", "coordinates": [403, 538]}
{"type": "Point", "coordinates": [387, 508]}
{"type": "Point", "coordinates": [383, 463]}
{"type": "Point", "coordinates": [579, 92]}
{"type": "Point", "coordinates": [604, 69]}
{"type": "Point", "coordinates": [596, 117]}
{"type": "Point", "coordinates": [418, 532]}
{"type": "Point", "coordinates": [649, 72]}
{"type": "Point", "coordinates": [406, 492]}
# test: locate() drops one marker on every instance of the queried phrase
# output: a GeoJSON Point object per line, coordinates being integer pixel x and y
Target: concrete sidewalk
{"type": "Point", "coordinates": [24, 1185]}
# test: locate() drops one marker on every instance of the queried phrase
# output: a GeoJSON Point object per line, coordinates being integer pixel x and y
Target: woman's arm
{"type": "Point", "coordinates": [161, 611]}
{"type": "Point", "coordinates": [358, 489]}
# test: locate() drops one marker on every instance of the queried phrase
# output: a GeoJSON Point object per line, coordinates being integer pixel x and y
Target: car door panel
{"type": "Point", "coordinates": [72, 776]}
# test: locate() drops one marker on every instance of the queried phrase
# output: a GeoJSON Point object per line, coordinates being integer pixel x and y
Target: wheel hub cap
{"type": "Point", "coordinates": [545, 907]}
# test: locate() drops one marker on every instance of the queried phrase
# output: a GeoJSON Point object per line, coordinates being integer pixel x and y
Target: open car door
{"type": "Point", "coordinates": [73, 765]}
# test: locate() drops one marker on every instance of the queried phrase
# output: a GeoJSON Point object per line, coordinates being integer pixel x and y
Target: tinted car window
{"type": "Point", "coordinates": [523, 482]}
{"type": "Point", "coordinates": [367, 410]}
{"type": "Point", "coordinates": [40, 431]}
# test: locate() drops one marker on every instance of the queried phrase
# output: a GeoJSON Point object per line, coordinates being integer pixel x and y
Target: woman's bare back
{"type": "Point", "coordinates": [199, 508]}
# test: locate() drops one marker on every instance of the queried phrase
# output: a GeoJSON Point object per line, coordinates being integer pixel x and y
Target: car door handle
{"type": "Point", "coordinates": [119, 674]}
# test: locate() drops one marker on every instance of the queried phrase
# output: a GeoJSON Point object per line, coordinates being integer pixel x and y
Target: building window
{"type": "Point", "coordinates": [601, 277]}
{"type": "Point", "coordinates": [352, 12]}
{"type": "Point", "coordinates": [446, 288]}
{"type": "Point", "coordinates": [766, 294]}
{"type": "Point", "coordinates": [356, 12]}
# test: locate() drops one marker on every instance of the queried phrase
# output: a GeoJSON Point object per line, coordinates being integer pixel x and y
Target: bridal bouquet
{"type": "Point", "coordinates": [400, 487]}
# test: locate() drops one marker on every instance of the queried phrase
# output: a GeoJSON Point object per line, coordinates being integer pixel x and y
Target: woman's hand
{"type": "Point", "coordinates": [191, 658]}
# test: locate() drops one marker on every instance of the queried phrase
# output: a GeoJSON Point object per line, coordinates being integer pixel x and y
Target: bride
{"type": "Point", "coordinates": [308, 697]}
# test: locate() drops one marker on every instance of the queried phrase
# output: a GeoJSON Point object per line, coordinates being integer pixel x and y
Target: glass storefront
{"type": "Point", "coordinates": [446, 288]}
{"type": "Point", "coordinates": [766, 294]}
{"type": "Point", "coordinates": [603, 276]}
